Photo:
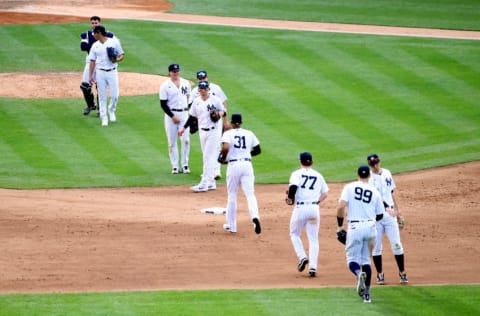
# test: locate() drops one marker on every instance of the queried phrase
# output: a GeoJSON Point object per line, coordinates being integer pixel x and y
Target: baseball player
{"type": "Point", "coordinates": [365, 207]}
{"type": "Point", "coordinates": [382, 179]}
{"type": "Point", "coordinates": [86, 41]}
{"type": "Point", "coordinates": [174, 98]}
{"type": "Point", "coordinates": [201, 109]}
{"type": "Point", "coordinates": [306, 190]}
{"type": "Point", "coordinates": [238, 147]}
{"type": "Point", "coordinates": [217, 91]}
{"type": "Point", "coordinates": [104, 56]}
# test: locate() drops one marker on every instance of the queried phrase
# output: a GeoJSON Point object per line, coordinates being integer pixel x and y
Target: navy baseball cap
{"type": "Point", "coordinates": [236, 118]}
{"type": "Point", "coordinates": [202, 74]}
{"type": "Point", "coordinates": [363, 172]}
{"type": "Point", "coordinates": [373, 159]}
{"type": "Point", "coordinates": [174, 67]}
{"type": "Point", "coordinates": [203, 85]}
{"type": "Point", "coordinates": [305, 157]}
{"type": "Point", "coordinates": [100, 29]}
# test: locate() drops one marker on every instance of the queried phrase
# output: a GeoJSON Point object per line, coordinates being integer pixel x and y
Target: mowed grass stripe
{"type": "Point", "coordinates": [418, 100]}
{"type": "Point", "coordinates": [389, 84]}
{"type": "Point", "coordinates": [452, 78]}
{"type": "Point", "coordinates": [35, 148]}
{"type": "Point", "coordinates": [293, 70]}
{"type": "Point", "coordinates": [353, 102]}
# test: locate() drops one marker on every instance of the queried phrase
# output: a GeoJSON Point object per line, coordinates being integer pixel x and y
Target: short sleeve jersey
{"type": "Point", "coordinates": [241, 143]}
{"type": "Point", "coordinates": [363, 201]}
{"type": "Point", "coordinates": [385, 184]}
{"type": "Point", "coordinates": [201, 110]}
{"type": "Point", "coordinates": [98, 53]}
{"type": "Point", "coordinates": [310, 184]}
{"type": "Point", "coordinates": [177, 97]}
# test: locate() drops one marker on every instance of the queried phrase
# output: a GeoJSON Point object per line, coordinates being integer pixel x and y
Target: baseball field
{"type": "Point", "coordinates": [93, 223]}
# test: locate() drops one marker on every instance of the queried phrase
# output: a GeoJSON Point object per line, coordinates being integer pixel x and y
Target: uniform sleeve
{"type": "Point", "coordinates": [92, 55]}
{"type": "Point", "coordinates": [294, 179]}
{"type": "Point", "coordinates": [324, 188]}
{"type": "Point", "coordinates": [163, 94]}
{"type": "Point", "coordinates": [84, 44]}
{"type": "Point", "coordinates": [344, 194]}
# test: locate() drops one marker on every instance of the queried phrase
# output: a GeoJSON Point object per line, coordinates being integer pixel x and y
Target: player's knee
{"type": "Point", "coordinates": [397, 249]}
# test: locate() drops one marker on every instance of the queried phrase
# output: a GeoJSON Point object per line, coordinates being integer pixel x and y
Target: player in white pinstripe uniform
{"type": "Point", "coordinates": [238, 147]}
{"type": "Point", "coordinates": [174, 98]}
{"type": "Point", "coordinates": [209, 138]}
{"type": "Point", "coordinates": [222, 124]}
{"type": "Point", "coordinates": [104, 71]}
{"type": "Point", "coordinates": [307, 189]}
{"type": "Point", "coordinates": [365, 207]}
{"type": "Point", "coordinates": [382, 179]}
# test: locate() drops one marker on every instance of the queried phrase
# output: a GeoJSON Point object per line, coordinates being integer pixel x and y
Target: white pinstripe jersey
{"type": "Point", "coordinates": [363, 201]}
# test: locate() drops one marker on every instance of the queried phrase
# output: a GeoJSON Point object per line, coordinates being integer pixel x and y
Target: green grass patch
{"type": "Point", "coordinates": [413, 101]}
{"type": "Point", "coordinates": [444, 14]}
{"type": "Point", "coordinates": [395, 300]}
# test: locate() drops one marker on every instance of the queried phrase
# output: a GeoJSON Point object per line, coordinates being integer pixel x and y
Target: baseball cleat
{"type": "Point", "coordinates": [104, 122]}
{"type": "Point", "coordinates": [403, 278]}
{"type": "Point", "coordinates": [361, 284]}
{"type": "Point", "coordinates": [186, 170]}
{"type": "Point", "coordinates": [87, 110]}
{"type": "Point", "coordinates": [174, 170]}
{"type": "Point", "coordinates": [366, 298]}
{"type": "Point", "coordinates": [200, 188]}
{"type": "Point", "coordinates": [212, 187]}
{"type": "Point", "coordinates": [380, 278]}
{"type": "Point", "coordinates": [312, 272]}
{"type": "Point", "coordinates": [113, 117]}
{"type": "Point", "coordinates": [226, 227]}
{"type": "Point", "coordinates": [302, 264]}
{"type": "Point", "coordinates": [218, 176]}
{"type": "Point", "coordinates": [256, 225]}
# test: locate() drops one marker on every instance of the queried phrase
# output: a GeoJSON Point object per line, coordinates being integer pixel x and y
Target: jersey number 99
{"type": "Point", "coordinates": [363, 195]}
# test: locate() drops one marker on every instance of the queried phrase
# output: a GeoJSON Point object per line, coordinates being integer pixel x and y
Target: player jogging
{"type": "Point", "coordinates": [364, 209]}
{"type": "Point", "coordinates": [238, 147]}
{"type": "Point", "coordinates": [306, 190]}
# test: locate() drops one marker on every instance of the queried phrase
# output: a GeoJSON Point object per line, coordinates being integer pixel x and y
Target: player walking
{"type": "Point", "coordinates": [174, 96]}
{"type": "Point", "coordinates": [382, 180]}
{"type": "Point", "coordinates": [105, 69]}
{"type": "Point", "coordinates": [222, 124]}
{"type": "Point", "coordinates": [86, 41]}
{"type": "Point", "coordinates": [364, 209]}
{"type": "Point", "coordinates": [238, 147]}
{"type": "Point", "coordinates": [306, 190]}
{"type": "Point", "coordinates": [209, 139]}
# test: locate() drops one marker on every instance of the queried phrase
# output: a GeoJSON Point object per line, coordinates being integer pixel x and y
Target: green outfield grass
{"type": "Point", "coordinates": [445, 14]}
{"type": "Point", "coordinates": [396, 300]}
{"type": "Point", "coordinates": [413, 101]}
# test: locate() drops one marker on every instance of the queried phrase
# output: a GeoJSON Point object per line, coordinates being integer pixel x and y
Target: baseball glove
{"type": "Point", "coordinates": [342, 236]}
{"type": "Point", "coordinates": [401, 222]}
{"type": "Point", "coordinates": [214, 116]}
{"type": "Point", "coordinates": [193, 125]}
{"type": "Point", "coordinates": [289, 201]}
{"type": "Point", "coordinates": [112, 54]}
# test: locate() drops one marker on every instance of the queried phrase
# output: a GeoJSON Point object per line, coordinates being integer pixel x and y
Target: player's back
{"type": "Point", "coordinates": [241, 143]}
{"type": "Point", "coordinates": [310, 184]}
{"type": "Point", "coordinates": [363, 201]}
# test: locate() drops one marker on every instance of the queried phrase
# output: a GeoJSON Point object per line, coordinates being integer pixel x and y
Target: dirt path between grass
{"type": "Point", "coordinates": [76, 240]}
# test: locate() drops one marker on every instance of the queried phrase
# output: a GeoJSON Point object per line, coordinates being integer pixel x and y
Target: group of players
{"type": "Point", "coordinates": [368, 204]}
{"type": "Point", "coordinates": [370, 210]}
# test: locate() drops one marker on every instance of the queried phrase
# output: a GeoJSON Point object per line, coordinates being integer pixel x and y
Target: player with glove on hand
{"type": "Point", "coordinates": [365, 207]}
{"type": "Point", "coordinates": [392, 220]}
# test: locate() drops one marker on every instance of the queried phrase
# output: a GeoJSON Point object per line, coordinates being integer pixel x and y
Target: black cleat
{"type": "Point", "coordinates": [256, 225]}
{"type": "Point", "coordinates": [302, 264]}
